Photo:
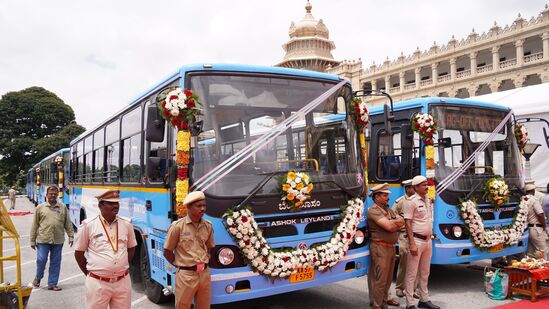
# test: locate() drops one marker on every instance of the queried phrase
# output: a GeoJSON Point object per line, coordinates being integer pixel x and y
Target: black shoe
{"type": "Point", "coordinates": [411, 307]}
{"type": "Point", "coordinates": [427, 304]}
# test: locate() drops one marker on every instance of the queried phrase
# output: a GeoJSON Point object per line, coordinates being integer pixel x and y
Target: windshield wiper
{"type": "Point", "coordinates": [349, 193]}
{"type": "Point", "coordinates": [473, 190]}
{"type": "Point", "coordinates": [259, 186]}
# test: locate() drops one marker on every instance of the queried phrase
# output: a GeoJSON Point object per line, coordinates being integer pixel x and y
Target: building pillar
{"type": "Point", "coordinates": [434, 73]}
{"type": "Point", "coordinates": [418, 77]}
{"type": "Point", "coordinates": [401, 76]}
{"type": "Point", "coordinates": [374, 85]}
{"type": "Point", "coordinates": [473, 58]}
{"type": "Point", "coordinates": [495, 59]}
{"type": "Point", "coordinates": [520, 51]}
{"type": "Point", "coordinates": [545, 38]}
{"type": "Point", "coordinates": [387, 83]}
{"type": "Point", "coordinates": [453, 68]}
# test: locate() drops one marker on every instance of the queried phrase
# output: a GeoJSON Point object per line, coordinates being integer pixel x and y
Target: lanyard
{"type": "Point", "coordinates": [112, 241]}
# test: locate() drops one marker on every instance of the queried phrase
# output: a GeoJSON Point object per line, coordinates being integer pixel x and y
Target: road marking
{"type": "Point", "coordinates": [34, 261]}
{"type": "Point", "coordinates": [137, 301]}
{"type": "Point", "coordinates": [45, 288]}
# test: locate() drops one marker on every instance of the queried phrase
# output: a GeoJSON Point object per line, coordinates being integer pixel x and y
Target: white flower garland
{"type": "Point", "coordinates": [508, 235]}
{"type": "Point", "coordinates": [267, 261]}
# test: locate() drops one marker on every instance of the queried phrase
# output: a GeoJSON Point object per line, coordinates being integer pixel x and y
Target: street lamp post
{"type": "Point", "coordinates": [527, 152]}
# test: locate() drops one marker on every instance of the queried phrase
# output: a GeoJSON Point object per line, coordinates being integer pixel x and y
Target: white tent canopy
{"type": "Point", "coordinates": [531, 101]}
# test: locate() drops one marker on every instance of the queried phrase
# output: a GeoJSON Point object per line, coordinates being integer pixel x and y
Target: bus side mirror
{"type": "Point", "coordinates": [388, 119]}
{"type": "Point", "coordinates": [155, 125]}
{"type": "Point", "coordinates": [445, 142]}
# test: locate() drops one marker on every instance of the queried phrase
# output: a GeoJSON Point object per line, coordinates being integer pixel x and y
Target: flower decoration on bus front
{"type": "Point", "coordinates": [425, 125]}
{"type": "Point", "coordinates": [521, 134]}
{"type": "Point", "coordinates": [59, 162]}
{"type": "Point", "coordinates": [496, 191]}
{"type": "Point", "coordinates": [282, 263]}
{"type": "Point", "coordinates": [178, 106]}
{"type": "Point", "coordinates": [486, 238]}
{"type": "Point", "coordinates": [296, 187]}
{"type": "Point", "coordinates": [359, 111]}
{"type": "Point", "coordinates": [430, 171]}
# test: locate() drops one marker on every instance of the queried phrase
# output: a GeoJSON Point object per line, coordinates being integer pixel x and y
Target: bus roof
{"type": "Point", "coordinates": [58, 152]}
{"type": "Point", "coordinates": [423, 102]}
{"type": "Point", "coordinates": [216, 68]}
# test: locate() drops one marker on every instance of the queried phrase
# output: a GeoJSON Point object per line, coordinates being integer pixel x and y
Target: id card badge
{"type": "Point", "coordinates": [200, 267]}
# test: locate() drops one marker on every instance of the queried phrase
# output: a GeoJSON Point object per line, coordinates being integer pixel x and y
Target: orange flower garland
{"type": "Point", "coordinates": [59, 163]}
{"type": "Point", "coordinates": [179, 107]}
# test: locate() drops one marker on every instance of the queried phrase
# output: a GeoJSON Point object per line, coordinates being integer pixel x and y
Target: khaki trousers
{"type": "Point", "coordinates": [536, 240]}
{"type": "Point", "coordinates": [380, 274]}
{"type": "Point", "coordinates": [418, 268]}
{"type": "Point", "coordinates": [115, 295]}
{"type": "Point", "coordinates": [403, 252]}
{"type": "Point", "coordinates": [191, 285]}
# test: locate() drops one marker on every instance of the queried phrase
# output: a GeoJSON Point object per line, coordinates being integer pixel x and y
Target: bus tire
{"type": "Point", "coordinates": [153, 289]}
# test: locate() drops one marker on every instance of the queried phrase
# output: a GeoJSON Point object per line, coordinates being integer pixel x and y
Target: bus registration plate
{"type": "Point", "coordinates": [303, 274]}
{"type": "Point", "coordinates": [496, 248]}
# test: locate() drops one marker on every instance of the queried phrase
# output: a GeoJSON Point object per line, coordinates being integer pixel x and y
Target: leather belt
{"type": "Point", "coordinates": [382, 243]}
{"type": "Point", "coordinates": [107, 279]}
{"type": "Point", "coordinates": [416, 235]}
{"type": "Point", "coordinates": [193, 268]}
{"type": "Point", "coordinates": [535, 225]}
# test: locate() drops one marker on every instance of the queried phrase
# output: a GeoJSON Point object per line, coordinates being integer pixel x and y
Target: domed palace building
{"type": "Point", "coordinates": [498, 59]}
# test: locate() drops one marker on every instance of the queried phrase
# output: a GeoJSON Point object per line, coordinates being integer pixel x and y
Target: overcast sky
{"type": "Point", "coordinates": [99, 55]}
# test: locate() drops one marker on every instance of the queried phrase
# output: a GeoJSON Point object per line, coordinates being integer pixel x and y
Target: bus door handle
{"type": "Point", "coordinates": [148, 205]}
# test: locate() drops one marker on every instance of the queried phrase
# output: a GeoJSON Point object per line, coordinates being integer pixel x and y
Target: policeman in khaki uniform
{"type": "Point", "coordinates": [537, 194]}
{"type": "Point", "coordinates": [110, 243]}
{"type": "Point", "coordinates": [402, 237]}
{"type": "Point", "coordinates": [536, 223]}
{"type": "Point", "coordinates": [384, 225]}
{"type": "Point", "coordinates": [418, 214]}
{"type": "Point", "coordinates": [191, 237]}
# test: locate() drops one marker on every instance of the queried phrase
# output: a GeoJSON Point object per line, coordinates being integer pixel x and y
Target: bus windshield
{"type": "Point", "coordinates": [237, 109]}
{"type": "Point", "coordinates": [462, 130]}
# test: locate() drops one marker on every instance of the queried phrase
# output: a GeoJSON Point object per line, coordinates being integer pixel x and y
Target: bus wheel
{"type": "Point", "coordinates": [153, 289]}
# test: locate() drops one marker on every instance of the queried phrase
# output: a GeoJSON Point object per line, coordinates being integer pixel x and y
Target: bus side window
{"type": "Point", "coordinates": [389, 156]}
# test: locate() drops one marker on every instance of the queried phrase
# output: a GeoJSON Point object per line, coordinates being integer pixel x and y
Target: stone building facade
{"type": "Point", "coordinates": [309, 46]}
{"type": "Point", "coordinates": [500, 59]}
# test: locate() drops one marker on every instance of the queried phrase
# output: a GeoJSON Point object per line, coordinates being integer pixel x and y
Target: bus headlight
{"type": "Point", "coordinates": [359, 237]}
{"type": "Point", "coordinates": [456, 229]}
{"type": "Point", "coordinates": [225, 256]}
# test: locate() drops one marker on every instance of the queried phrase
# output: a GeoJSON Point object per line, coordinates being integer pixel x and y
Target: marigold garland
{"type": "Point", "coordinates": [275, 263]}
{"type": "Point", "coordinates": [485, 238]}
{"type": "Point", "coordinates": [59, 162]}
{"type": "Point", "coordinates": [430, 171]}
{"type": "Point", "coordinates": [179, 107]}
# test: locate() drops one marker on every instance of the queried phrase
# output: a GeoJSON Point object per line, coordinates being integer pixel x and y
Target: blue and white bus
{"type": "Point", "coordinates": [238, 103]}
{"type": "Point", "coordinates": [46, 173]}
{"type": "Point", "coordinates": [463, 125]}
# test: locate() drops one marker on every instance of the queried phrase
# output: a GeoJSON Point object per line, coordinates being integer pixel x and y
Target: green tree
{"type": "Point", "coordinates": [34, 123]}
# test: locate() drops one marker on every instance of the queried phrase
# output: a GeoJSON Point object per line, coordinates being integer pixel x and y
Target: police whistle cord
{"type": "Point", "coordinates": [446, 182]}
{"type": "Point", "coordinates": [234, 161]}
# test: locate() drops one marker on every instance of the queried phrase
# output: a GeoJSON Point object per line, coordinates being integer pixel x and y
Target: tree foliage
{"type": "Point", "coordinates": [34, 123]}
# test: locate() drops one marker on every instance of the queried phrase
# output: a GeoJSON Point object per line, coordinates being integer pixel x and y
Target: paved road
{"type": "Point", "coordinates": [451, 286]}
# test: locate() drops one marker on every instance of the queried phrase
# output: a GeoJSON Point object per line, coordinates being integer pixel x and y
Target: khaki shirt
{"type": "Point", "coordinates": [378, 233]}
{"type": "Point", "coordinates": [50, 224]}
{"type": "Point", "coordinates": [102, 259]}
{"type": "Point", "coordinates": [398, 207]}
{"type": "Point", "coordinates": [11, 194]}
{"type": "Point", "coordinates": [191, 241]}
{"type": "Point", "coordinates": [420, 211]}
{"type": "Point", "coordinates": [534, 209]}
